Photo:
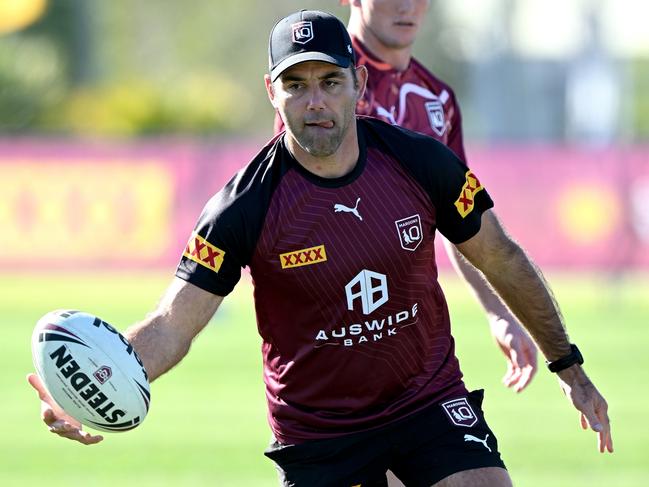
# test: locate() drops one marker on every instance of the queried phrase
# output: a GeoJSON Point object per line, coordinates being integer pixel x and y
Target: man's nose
{"type": "Point", "coordinates": [316, 99]}
{"type": "Point", "coordinates": [405, 6]}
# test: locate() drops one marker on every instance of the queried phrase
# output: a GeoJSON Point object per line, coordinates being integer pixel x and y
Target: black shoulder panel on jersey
{"type": "Point", "coordinates": [227, 231]}
{"type": "Point", "coordinates": [454, 190]}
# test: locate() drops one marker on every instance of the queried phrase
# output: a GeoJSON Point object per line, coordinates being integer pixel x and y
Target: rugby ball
{"type": "Point", "coordinates": [91, 370]}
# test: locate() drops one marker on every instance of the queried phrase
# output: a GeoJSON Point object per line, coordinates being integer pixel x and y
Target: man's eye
{"type": "Point", "coordinates": [331, 83]}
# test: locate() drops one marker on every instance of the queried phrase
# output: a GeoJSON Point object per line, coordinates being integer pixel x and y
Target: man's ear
{"type": "Point", "coordinates": [361, 76]}
{"type": "Point", "coordinates": [270, 90]}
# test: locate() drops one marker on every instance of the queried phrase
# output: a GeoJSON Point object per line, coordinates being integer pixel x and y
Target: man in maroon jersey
{"type": "Point", "coordinates": [401, 91]}
{"type": "Point", "coordinates": [336, 219]}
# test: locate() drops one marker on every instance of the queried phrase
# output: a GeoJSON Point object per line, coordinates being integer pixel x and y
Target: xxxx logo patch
{"type": "Point", "coordinates": [465, 202]}
{"type": "Point", "coordinates": [204, 253]}
{"type": "Point", "coordinates": [298, 258]}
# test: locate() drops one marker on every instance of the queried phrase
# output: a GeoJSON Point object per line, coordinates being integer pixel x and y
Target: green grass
{"type": "Point", "coordinates": [207, 424]}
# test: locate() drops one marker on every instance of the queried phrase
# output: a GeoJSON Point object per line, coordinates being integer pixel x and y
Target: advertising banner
{"type": "Point", "coordinates": [66, 204]}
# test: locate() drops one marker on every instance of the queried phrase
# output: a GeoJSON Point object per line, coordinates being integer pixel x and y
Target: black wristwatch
{"type": "Point", "coordinates": [574, 357]}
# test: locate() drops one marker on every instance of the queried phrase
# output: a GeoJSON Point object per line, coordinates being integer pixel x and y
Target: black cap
{"type": "Point", "coordinates": [308, 35]}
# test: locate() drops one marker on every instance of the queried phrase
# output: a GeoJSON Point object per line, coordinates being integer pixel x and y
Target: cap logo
{"type": "Point", "coordinates": [302, 32]}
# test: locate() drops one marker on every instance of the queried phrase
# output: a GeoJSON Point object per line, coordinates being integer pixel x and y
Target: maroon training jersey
{"type": "Point", "coordinates": [413, 98]}
{"type": "Point", "coordinates": [355, 327]}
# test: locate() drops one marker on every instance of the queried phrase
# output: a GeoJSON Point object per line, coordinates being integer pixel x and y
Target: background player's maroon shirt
{"type": "Point", "coordinates": [413, 98]}
{"type": "Point", "coordinates": [355, 327]}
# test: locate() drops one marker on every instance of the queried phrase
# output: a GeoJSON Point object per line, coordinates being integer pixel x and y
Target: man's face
{"type": "Point", "coordinates": [393, 22]}
{"type": "Point", "coordinates": [317, 102]}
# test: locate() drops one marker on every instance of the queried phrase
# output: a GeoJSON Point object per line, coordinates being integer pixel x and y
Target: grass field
{"type": "Point", "coordinates": [207, 422]}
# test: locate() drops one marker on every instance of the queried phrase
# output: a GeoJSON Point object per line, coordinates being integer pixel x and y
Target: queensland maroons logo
{"type": "Point", "coordinates": [435, 111]}
{"type": "Point", "coordinates": [302, 32]}
{"type": "Point", "coordinates": [409, 231]}
{"type": "Point", "coordinates": [460, 412]}
{"type": "Point", "coordinates": [103, 373]}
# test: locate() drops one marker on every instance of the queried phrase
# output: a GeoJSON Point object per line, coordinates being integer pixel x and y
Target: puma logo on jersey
{"type": "Point", "coordinates": [338, 207]}
{"type": "Point", "coordinates": [478, 440]}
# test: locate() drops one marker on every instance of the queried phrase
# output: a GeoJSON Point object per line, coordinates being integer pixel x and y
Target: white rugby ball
{"type": "Point", "coordinates": [91, 370]}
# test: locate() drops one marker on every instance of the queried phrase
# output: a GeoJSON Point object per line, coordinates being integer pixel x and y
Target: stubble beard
{"type": "Point", "coordinates": [319, 145]}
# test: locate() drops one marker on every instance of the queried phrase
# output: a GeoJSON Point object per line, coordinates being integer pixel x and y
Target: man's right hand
{"type": "Point", "coordinates": [55, 418]}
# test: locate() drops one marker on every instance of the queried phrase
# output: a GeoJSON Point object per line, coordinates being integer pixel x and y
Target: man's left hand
{"type": "Point", "coordinates": [519, 350]}
{"type": "Point", "coordinates": [589, 402]}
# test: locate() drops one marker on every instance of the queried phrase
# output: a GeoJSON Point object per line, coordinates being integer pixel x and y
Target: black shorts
{"type": "Point", "coordinates": [420, 450]}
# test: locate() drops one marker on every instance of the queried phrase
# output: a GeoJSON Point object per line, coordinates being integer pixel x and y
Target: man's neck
{"type": "Point", "coordinates": [339, 164]}
{"type": "Point", "coordinates": [398, 58]}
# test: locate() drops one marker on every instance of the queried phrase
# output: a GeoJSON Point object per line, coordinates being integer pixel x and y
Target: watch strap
{"type": "Point", "coordinates": [574, 357]}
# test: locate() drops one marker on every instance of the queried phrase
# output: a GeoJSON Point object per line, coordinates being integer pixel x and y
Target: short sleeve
{"type": "Point", "coordinates": [462, 199]}
{"type": "Point", "coordinates": [226, 234]}
{"type": "Point", "coordinates": [210, 259]}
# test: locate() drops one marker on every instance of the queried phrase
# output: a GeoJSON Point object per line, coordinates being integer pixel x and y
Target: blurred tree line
{"type": "Point", "coordinates": [130, 68]}
{"type": "Point", "coordinates": [126, 68]}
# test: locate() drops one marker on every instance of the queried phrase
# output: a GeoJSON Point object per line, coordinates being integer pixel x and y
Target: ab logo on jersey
{"type": "Point", "coordinates": [409, 230]}
{"type": "Point", "coordinates": [370, 290]}
{"type": "Point", "coordinates": [370, 287]}
{"type": "Point", "coordinates": [465, 202]}
{"type": "Point", "coordinates": [302, 32]}
{"type": "Point", "coordinates": [204, 253]}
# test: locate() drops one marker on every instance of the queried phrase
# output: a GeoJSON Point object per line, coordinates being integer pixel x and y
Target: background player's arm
{"type": "Point", "coordinates": [517, 346]}
{"type": "Point", "coordinates": [161, 340]}
{"type": "Point", "coordinates": [522, 287]}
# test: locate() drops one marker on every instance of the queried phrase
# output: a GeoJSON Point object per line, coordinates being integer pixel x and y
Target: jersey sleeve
{"type": "Point", "coordinates": [227, 231]}
{"type": "Point", "coordinates": [210, 259]}
{"type": "Point", "coordinates": [458, 195]}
